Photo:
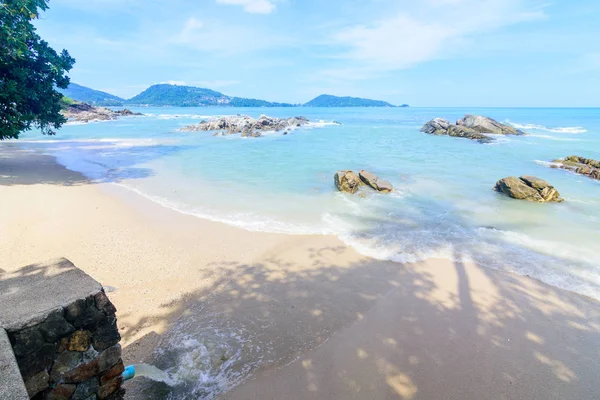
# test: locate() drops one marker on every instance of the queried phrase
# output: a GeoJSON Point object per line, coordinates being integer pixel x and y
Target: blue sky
{"type": "Point", "coordinates": [421, 52]}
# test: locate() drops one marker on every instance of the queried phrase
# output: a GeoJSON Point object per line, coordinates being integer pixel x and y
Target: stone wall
{"type": "Point", "coordinates": [71, 351]}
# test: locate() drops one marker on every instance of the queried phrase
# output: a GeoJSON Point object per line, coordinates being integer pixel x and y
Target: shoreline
{"type": "Point", "coordinates": [302, 297]}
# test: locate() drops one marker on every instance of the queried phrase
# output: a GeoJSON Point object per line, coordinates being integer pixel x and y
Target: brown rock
{"type": "Point", "coordinates": [104, 304]}
{"type": "Point", "coordinates": [374, 182]}
{"type": "Point", "coordinates": [347, 181]}
{"type": "Point", "coordinates": [581, 166]}
{"type": "Point", "coordinates": [528, 188]}
{"type": "Point", "coordinates": [115, 371]}
{"type": "Point", "coordinates": [79, 341]}
{"type": "Point", "coordinates": [110, 387]}
{"type": "Point", "coordinates": [82, 372]}
{"type": "Point", "coordinates": [62, 392]}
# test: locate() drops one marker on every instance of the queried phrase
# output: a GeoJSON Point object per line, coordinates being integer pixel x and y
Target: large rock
{"type": "Point", "coordinates": [247, 126]}
{"type": "Point", "coordinates": [546, 190]}
{"type": "Point", "coordinates": [472, 127]}
{"type": "Point", "coordinates": [528, 188]}
{"type": "Point", "coordinates": [437, 126]}
{"type": "Point", "coordinates": [374, 182]}
{"type": "Point", "coordinates": [580, 165]}
{"type": "Point", "coordinates": [469, 133]}
{"type": "Point", "coordinates": [83, 112]}
{"type": "Point", "coordinates": [487, 125]}
{"type": "Point", "coordinates": [347, 181]}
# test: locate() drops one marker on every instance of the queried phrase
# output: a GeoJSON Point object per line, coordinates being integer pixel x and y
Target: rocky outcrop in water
{"type": "Point", "coordinates": [528, 188]}
{"type": "Point", "coordinates": [472, 127]}
{"type": "Point", "coordinates": [347, 181]}
{"type": "Point", "coordinates": [247, 126]}
{"type": "Point", "coordinates": [374, 182]}
{"type": "Point", "coordinates": [580, 165]}
{"type": "Point", "coordinates": [350, 182]}
{"type": "Point", "coordinates": [83, 112]}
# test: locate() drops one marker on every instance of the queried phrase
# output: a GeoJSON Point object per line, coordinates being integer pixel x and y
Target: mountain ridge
{"type": "Point", "coordinates": [91, 96]}
{"type": "Point", "coordinates": [163, 94]}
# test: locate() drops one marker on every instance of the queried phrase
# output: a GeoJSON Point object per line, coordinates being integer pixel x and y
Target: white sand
{"type": "Point", "coordinates": [337, 325]}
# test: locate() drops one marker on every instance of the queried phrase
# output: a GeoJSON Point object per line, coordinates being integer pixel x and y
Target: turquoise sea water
{"type": "Point", "coordinates": [444, 205]}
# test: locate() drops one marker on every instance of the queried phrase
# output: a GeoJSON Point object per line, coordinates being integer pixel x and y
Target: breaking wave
{"type": "Point", "coordinates": [567, 129]}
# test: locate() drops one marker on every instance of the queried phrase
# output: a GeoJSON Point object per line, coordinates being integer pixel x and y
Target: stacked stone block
{"type": "Point", "coordinates": [74, 353]}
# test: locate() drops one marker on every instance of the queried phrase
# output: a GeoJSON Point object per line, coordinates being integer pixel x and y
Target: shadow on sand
{"type": "Point", "coordinates": [376, 330]}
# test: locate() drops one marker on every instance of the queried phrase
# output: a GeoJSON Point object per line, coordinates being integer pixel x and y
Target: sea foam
{"type": "Point", "coordinates": [568, 129]}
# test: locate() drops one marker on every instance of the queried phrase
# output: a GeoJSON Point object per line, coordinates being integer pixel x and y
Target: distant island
{"type": "Point", "coordinates": [327, 100]}
{"type": "Point", "coordinates": [189, 96]}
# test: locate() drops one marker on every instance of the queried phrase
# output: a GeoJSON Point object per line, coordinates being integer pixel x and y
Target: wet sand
{"type": "Point", "coordinates": [322, 321]}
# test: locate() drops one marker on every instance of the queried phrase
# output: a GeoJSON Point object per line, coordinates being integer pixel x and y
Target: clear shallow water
{"type": "Point", "coordinates": [444, 205]}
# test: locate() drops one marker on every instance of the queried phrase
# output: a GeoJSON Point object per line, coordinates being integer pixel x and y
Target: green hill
{"type": "Point", "coordinates": [189, 96]}
{"type": "Point", "coordinates": [326, 100]}
{"type": "Point", "coordinates": [91, 96]}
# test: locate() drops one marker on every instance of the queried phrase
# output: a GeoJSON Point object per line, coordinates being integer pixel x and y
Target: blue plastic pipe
{"type": "Point", "coordinates": [128, 373]}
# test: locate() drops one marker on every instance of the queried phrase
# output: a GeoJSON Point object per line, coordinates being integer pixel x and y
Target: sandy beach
{"type": "Point", "coordinates": [323, 322]}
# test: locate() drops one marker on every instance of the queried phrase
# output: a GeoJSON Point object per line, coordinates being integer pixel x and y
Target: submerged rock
{"type": "Point", "coordinates": [374, 182]}
{"type": "Point", "coordinates": [528, 188]}
{"type": "Point", "coordinates": [472, 127]}
{"type": "Point", "coordinates": [247, 126]}
{"type": "Point", "coordinates": [347, 181]}
{"type": "Point", "coordinates": [83, 112]}
{"type": "Point", "coordinates": [580, 165]}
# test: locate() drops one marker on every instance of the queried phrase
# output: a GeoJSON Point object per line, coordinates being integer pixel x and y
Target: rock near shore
{"type": "Point", "coordinates": [472, 127]}
{"type": "Point", "coordinates": [247, 126]}
{"type": "Point", "coordinates": [349, 182]}
{"type": "Point", "coordinates": [580, 165]}
{"type": "Point", "coordinates": [374, 182]}
{"type": "Point", "coordinates": [83, 112]}
{"type": "Point", "coordinates": [528, 188]}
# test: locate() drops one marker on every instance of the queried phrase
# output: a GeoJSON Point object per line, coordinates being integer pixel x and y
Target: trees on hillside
{"type": "Point", "coordinates": [30, 70]}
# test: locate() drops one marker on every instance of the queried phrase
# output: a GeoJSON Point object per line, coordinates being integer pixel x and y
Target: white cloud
{"type": "Point", "coordinates": [210, 36]}
{"type": "Point", "coordinates": [176, 83]}
{"type": "Point", "coordinates": [252, 6]}
{"type": "Point", "coordinates": [437, 29]}
{"type": "Point", "coordinates": [191, 28]}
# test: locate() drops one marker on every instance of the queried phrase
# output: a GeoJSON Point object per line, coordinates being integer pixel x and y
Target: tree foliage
{"type": "Point", "coordinates": [30, 70]}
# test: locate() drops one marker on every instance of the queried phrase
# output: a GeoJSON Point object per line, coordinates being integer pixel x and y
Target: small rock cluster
{"type": "Point", "coordinates": [528, 188]}
{"type": "Point", "coordinates": [580, 165]}
{"type": "Point", "coordinates": [472, 127]}
{"type": "Point", "coordinates": [83, 112]}
{"type": "Point", "coordinates": [349, 182]}
{"type": "Point", "coordinates": [73, 354]}
{"type": "Point", "coordinates": [247, 126]}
